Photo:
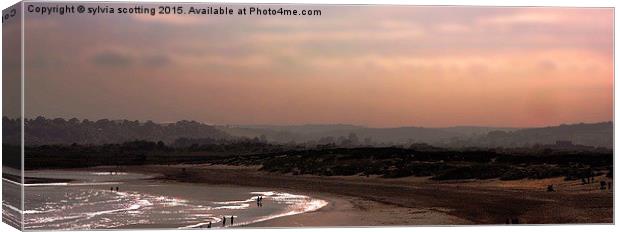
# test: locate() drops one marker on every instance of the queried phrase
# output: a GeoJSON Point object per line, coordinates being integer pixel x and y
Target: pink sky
{"type": "Point", "coordinates": [378, 66]}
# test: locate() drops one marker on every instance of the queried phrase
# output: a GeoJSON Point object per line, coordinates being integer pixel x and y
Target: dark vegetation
{"type": "Point", "coordinates": [42, 131]}
{"type": "Point", "coordinates": [438, 164]}
{"type": "Point", "coordinates": [507, 155]}
{"type": "Point", "coordinates": [138, 153]}
{"type": "Point", "coordinates": [387, 162]}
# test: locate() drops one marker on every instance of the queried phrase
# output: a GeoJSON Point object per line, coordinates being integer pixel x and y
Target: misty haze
{"type": "Point", "coordinates": [362, 116]}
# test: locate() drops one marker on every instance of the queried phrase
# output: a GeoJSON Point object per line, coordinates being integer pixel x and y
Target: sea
{"type": "Point", "coordinates": [91, 201]}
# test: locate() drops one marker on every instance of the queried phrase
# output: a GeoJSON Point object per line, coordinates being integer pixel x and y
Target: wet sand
{"type": "Point", "coordinates": [373, 201]}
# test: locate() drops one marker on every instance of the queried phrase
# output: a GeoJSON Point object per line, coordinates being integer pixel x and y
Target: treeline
{"type": "Point", "coordinates": [387, 162]}
{"type": "Point", "coordinates": [44, 131]}
{"type": "Point", "coordinates": [137, 153]}
{"type": "Point", "coordinates": [439, 164]}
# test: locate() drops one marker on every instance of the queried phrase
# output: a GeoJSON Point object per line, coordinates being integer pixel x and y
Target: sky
{"type": "Point", "coordinates": [379, 66]}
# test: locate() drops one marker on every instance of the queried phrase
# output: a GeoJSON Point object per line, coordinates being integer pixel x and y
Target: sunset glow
{"type": "Point", "coordinates": [380, 66]}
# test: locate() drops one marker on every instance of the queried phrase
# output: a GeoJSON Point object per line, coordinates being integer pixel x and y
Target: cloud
{"type": "Point", "coordinates": [172, 19]}
{"type": "Point", "coordinates": [404, 63]}
{"type": "Point", "coordinates": [112, 59]}
{"type": "Point", "coordinates": [522, 18]}
{"type": "Point", "coordinates": [453, 28]}
{"type": "Point", "coordinates": [157, 61]}
{"type": "Point", "coordinates": [129, 58]}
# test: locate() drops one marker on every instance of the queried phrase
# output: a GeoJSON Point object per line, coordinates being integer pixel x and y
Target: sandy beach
{"type": "Point", "coordinates": [374, 201]}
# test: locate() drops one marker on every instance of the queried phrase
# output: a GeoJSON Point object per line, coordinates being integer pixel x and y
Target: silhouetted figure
{"type": "Point", "coordinates": [550, 188]}
{"type": "Point", "coordinates": [209, 226]}
{"type": "Point", "coordinates": [603, 185]}
{"type": "Point", "coordinates": [259, 201]}
{"type": "Point", "coordinates": [117, 188]}
{"type": "Point", "coordinates": [223, 221]}
{"type": "Point", "coordinates": [112, 189]}
{"type": "Point", "coordinates": [232, 220]}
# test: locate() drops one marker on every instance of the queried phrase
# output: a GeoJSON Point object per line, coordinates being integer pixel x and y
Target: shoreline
{"type": "Point", "coordinates": [341, 210]}
{"type": "Point", "coordinates": [356, 201]}
{"type": "Point", "coordinates": [313, 203]}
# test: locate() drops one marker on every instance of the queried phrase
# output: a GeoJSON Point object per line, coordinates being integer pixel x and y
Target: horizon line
{"type": "Point", "coordinates": [327, 124]}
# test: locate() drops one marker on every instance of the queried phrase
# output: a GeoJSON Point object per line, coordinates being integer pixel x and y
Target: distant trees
{"type": "Point", "coordinates": [40, 131]}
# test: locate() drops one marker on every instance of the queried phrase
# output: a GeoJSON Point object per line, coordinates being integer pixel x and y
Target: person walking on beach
{"type": "Point", "coordinates": [223, 221]}
{"type": "Point", "coordinates": [111, 189]}
{"type": "Point", "coordinates": [232, 220]}
{"type": "Point", "coordinates": [117, 188]}
{"type": "Point", "coordinates": [209, 226]}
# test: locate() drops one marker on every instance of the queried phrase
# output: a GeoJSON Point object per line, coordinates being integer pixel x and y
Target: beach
{"type": "Point", "coordinates": [374, 201]}
{"type": "Point", "coordinates": [98, 199]}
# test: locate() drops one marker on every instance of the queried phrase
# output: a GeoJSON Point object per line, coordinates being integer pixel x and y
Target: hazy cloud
{"type": "Point", "coordinates": [112, 59]}
{"type": "Point", "coordinates": [373, 65]}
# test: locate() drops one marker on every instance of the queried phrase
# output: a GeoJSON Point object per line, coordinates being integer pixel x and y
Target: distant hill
{"type": "Point", "coordinates": [589, 134]}
{"type": "Point", "coordinates": [322, 133]}
{"type": "Point", "coordinates": [42, 131]}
